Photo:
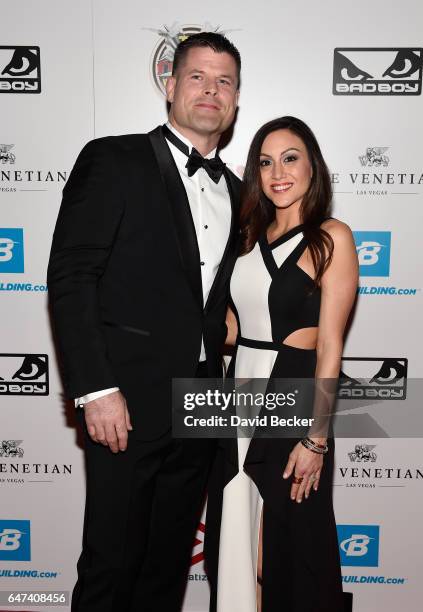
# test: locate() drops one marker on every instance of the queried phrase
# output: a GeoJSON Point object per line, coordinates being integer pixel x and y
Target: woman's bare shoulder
{"type": "Point", "coordinates": [338, 230]}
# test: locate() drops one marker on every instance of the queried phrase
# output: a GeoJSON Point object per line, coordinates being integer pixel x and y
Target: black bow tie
{"type": "Point", "coordinates": [214, 167]}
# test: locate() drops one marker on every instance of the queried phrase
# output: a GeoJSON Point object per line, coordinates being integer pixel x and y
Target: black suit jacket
{"type": "Point", "coordinates": [124, 278]}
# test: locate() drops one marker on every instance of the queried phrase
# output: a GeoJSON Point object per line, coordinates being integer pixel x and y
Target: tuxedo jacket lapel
{"type": "Point", "coordinates": [229, 254]}
{"type": "Point", "coordinates": [180, 211]}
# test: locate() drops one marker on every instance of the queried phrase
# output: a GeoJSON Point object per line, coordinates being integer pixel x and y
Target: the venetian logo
{"type": "Point", "coordinates": [11, 448]}
{"type": "Point", "coordinates": [378, 174]}
{"type": "Point", "coordinates": [374, 156]}
{"type": "Point", "coordinates": [373, 471]}
{"type": "Point", "coordinates": [14, 178]}
{"type": "Point", "coordinates": [6, 157]}
{"type": "Point", "coordinates": [363, 453]}
{"type": "Point", "coordinates": [164, 51]}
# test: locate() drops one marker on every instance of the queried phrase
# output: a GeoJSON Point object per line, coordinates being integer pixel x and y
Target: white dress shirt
{"type": "Point", "coordinates": [211, 213]}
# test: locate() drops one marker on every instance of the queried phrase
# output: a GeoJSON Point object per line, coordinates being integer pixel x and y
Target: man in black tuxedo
{"type": "Point", "coordinates": [138, 278]}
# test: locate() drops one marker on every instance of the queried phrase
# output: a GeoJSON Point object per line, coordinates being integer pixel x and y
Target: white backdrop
{"type": "Point", "coordinates": [97, 79]}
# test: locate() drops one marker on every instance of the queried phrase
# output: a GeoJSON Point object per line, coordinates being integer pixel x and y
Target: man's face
{"type": "Point", "coordinates": [204, 92]}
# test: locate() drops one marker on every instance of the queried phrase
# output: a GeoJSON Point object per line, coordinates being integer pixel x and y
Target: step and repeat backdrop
{"type": "Point", "coordinates": [73, 71]}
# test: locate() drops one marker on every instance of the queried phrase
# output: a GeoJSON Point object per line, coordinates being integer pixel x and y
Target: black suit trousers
{"type": "Point", "coordinates": [142, 511]}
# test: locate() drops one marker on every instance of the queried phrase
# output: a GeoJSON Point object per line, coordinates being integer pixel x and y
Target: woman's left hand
{"type": "Point", "coordinates": [305, 464]}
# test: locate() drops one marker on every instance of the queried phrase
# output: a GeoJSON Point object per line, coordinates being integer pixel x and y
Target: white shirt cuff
{"type": "Point", "coordinates": [80, 401]}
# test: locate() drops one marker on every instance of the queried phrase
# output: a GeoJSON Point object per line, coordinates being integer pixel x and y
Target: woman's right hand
{"type": "Point", "coordinates": [305, 466]}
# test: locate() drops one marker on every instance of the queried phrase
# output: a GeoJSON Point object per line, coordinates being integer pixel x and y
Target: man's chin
{"type": "Point", "coordinates": [209, 127]}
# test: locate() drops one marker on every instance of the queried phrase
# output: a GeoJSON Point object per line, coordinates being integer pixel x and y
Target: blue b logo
{"type": "Point", "coordinates": [11, 250]}
{"type": "Point", "coordinates": [359, 545]}
{"type": "Point", "coordinates": [374, 252]}
{"type": "Point", "coordinates": [15, 540]}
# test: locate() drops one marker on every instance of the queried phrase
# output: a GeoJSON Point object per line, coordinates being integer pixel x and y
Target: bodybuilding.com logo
{"type": "Point", "coordinates": [20, 70]}
{"type": "Point", "coordinates": [11, 250]}
{"type": "Point", "coordinates": [23, 374]}
{"type": "Point", "coordinates": [374, 252]}
{"type": "Point", "coordinates": [384, 71]}
{"type": "Point", "coordinates": [15, 540]}
{"type": "Point", "coordinates": [359, 545]}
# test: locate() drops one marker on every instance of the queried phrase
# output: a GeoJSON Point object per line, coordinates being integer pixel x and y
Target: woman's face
{"type": "Point", "coordinates": [285, 168]}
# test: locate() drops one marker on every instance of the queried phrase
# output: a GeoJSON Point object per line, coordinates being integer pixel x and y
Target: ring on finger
{"type": "Point", "coordinates": [298, 479]}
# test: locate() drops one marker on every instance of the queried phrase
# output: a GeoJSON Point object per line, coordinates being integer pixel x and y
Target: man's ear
{"type": "Point", "coordinates": [170, 88]}
{"type": "Point", "coordinates": [237, 97]}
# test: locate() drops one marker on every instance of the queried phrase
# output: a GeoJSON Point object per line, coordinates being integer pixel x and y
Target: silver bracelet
{"type": "Point", "coordinates": [315, 448]}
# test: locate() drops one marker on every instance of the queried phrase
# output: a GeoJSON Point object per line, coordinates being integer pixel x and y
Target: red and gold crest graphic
{"type": "Point", "coordinates": [164, 51]}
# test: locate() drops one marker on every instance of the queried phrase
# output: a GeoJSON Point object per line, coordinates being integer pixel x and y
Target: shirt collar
{"type": "Point", "coordinates": [187, 142]}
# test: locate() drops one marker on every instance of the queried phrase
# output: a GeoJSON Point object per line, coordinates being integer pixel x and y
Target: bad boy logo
{"type": "Point", "coordinates": [20, 70]}
{"type": "Point", "coordinates": [170, 37]}
{"type": "Point", "coordinates": [24, 374]}
{"type": "Point", "coordinates": [372, 377]}
{"type": "Point", "coordinates": [393, 71]}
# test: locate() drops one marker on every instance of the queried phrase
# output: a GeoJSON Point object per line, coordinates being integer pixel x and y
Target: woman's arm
{"type": "Point", "coordinates": [339, 287]}
{"type": "Point", "coordinates": [338, 290]}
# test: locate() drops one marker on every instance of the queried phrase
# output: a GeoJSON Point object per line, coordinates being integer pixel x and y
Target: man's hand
{"type": "Point", "coordinates": [108, 421]}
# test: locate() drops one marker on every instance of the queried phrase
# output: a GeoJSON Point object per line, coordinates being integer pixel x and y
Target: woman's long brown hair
{"type": "Point", "coordinates": [257, 211]}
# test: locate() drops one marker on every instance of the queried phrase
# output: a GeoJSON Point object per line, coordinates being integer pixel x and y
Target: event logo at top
{"type": "Point", "coordinates": [170, 37]}
{"type": "Point", "coordinates": [20, 70]}
{"type": "Point", "coordinates": [378, 71]}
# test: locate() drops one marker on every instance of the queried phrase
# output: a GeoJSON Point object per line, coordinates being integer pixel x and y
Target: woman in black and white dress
{"type": "Point", "coordinates": [271, 540]}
